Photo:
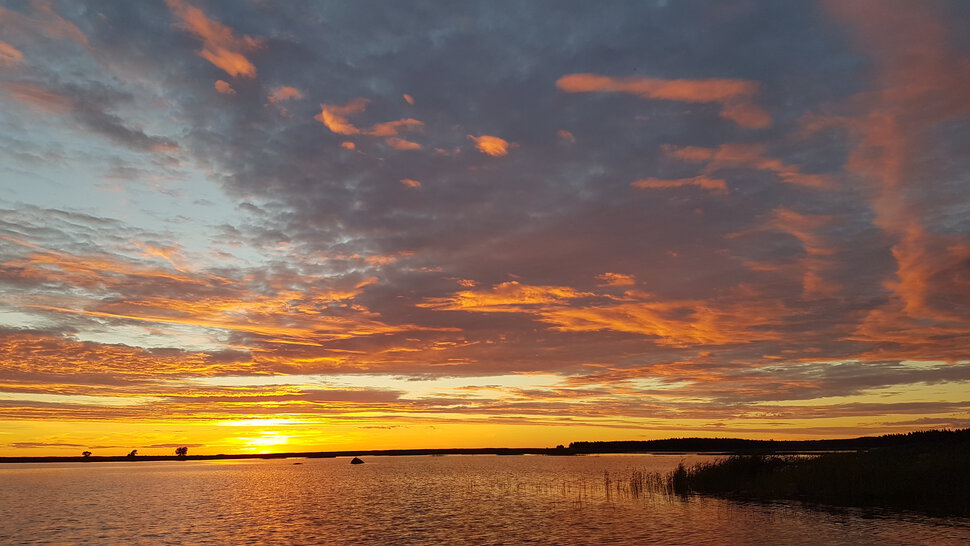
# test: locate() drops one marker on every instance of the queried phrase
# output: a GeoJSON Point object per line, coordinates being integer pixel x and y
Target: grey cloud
{"type": "Point", "coordinates": [31, 445]}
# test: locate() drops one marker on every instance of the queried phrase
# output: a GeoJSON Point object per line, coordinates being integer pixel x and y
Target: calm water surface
{"type": "Point", "coordinates": [424, 500]}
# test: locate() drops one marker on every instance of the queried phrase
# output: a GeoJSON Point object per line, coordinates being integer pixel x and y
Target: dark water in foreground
{"type": "Point", "coordinates": [425, 500]}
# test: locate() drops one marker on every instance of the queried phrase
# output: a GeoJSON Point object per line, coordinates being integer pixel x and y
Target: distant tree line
{"type": "Point", "coordinates": [738, 444]}
{"type": "Point", "coordinates": [179, 452]}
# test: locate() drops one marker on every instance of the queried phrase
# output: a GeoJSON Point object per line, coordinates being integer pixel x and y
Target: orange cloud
{"type": "Point", "coordinates": [743, 317]}
{"type": "Point", "coordinates": [9, 55]}
{"type": "Point", "coordinates": [752, 156]}
{"type": "Point", "coordinates": [410, 183]}
{"type": "Point", "coordinates": [282, 93]}
{"type": "Point", "coordinates": [921, 84]}
{"type": "Point", "coordinates": [734, 96]}
{"type": "Point", "coordinates": [710, 90]}
{"type": "Point", "coordinates": [617, 279]}
{"type": "Point", "coordinates": [275, 310]}
{"type": "Point", "coordinates": [39, 99]}
{"type": "Point", "coordinates": [46, 22]}
{"type": "Point", "coordinates": [690, 153]}
{"type": "Point", "coordinates": [391, 128]}
{"type": "Point", "coordinates": [566, 136]}
{"type": "Point", "coordinates": [401, 144]}
{"type": "Point", "coordinates": [219, 45]}
{"type": "Point", "coordinates": [746, 114]}
{"type": "Point", "coordinates": [504, 297]}
{"type": "Point", "coordinates": [335, 116]}
{"type": "Point", "coordinates": [224, 87]}
{"type": "Point", "coordinates": [45, 353]}
{"type": "Point", "coordinates": [408, 98]}
{"type": "Point", "coordinates": [348, 145]}
{"type": "Point", "coordinates": [491, 145]}
{"type": "Point", "coordinates": [895, 334]}
{"type": "Point", "coordinates": [675, 323]}
{"type": "Point", "coordinates": [804, 228]}
{"type": "Point", "coordinates": [704, 182]}
{"type": "Point", "coordinates": [814, 266]}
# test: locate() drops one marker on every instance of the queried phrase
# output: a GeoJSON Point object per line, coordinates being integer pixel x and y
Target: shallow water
{"type": "Point", "coordinates": [426, 500]}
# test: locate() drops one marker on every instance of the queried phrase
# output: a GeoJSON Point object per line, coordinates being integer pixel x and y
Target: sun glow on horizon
{"type": "Point", "coordinates": [264, 440]}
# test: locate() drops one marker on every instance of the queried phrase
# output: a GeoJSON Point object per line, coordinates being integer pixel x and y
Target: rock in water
{"type": "Point", "coordinates": [356, 460]}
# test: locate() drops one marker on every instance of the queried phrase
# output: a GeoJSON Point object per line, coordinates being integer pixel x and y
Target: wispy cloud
{"type": "Point", "coordinates": [746, 155]}
{"type": "Point", "coordinates": [44, 20]}
{"type": "Point", "coordinates": [220, 46]}
{"type": "Point", "coordinates": [43, 100]}
{"type": "Point", "coordinates": [714, 184]}
{"type": "Point", "coordinates": [224, 87]}
{"type": "Point", "coordinates": [335, 116]}
{"type": "Point", "coordinates": [736, 97]}
{"type": "Point", "coordinates": [491, 145]}
{"type": "Point", "coordinates": [9, 55]}
{"type": "Point", "coordinates": [893, 133]}
{"type": "Point", "coordinates": [284, 93]}
{"type": "Point", "coordinates": [91, 109]}
{"type": "Point", "coordinates": [617, 279]}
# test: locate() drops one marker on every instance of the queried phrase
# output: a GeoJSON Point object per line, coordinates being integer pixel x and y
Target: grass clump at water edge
{"type": "Point", "coordinates": [930, 480]}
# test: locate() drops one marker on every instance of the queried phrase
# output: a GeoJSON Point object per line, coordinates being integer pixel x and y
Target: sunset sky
{"type": "Point", "coordinates": [248, 226]}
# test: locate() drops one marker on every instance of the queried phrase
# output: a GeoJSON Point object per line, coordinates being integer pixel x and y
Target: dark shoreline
{"type": "Point", "coordinates": [551, 452]}
{"type": "Point", "coordinates": [300, 454]}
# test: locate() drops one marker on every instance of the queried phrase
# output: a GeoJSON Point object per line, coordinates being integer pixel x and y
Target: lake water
{"type": "Point", "coordinates": [415, 500]}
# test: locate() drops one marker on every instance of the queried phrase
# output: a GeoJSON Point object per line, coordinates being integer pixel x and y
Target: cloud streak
{"type": "Point", "coordinates": [220, 46]}
{"type": "Point", "coordinates": [734, 96]}
{"type": "Point", "coordinates": [9, 55]}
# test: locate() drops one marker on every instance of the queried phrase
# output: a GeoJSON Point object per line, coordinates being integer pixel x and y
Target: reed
{"type": "Point", "coordinates": [637, 484]}
{"type": "Point", "coordinates": [934, 480]}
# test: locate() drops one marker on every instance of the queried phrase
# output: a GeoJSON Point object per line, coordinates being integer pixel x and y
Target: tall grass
{"type": "Point", "coordinates": [935, 481]}
{"type": "Point", "coordinates": [637, 484]}
{"type": "Point", "coordinates": [925, 471]}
